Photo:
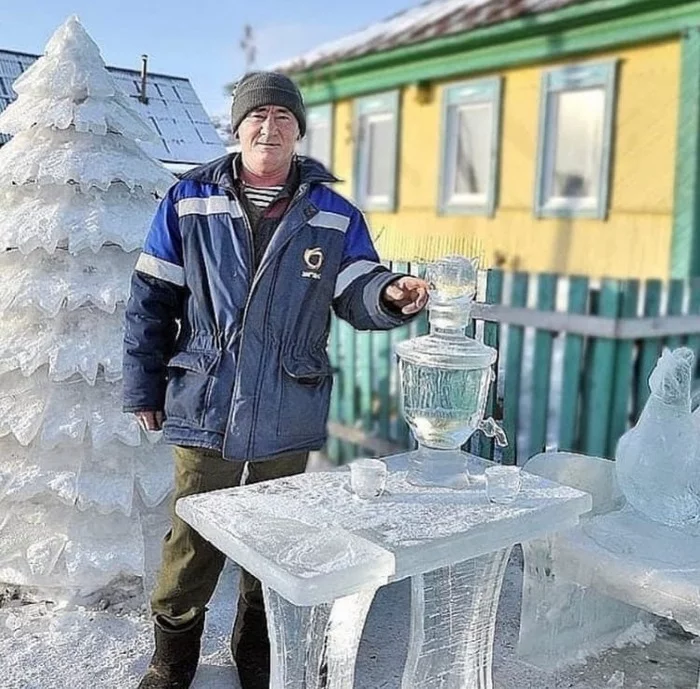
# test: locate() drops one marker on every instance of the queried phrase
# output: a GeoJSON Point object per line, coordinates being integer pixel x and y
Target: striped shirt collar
{"type": "Point", "coordinates": [290, 185]}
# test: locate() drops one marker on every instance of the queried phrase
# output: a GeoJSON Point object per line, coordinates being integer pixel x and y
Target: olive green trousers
{"type": "Point", "coordinates": [190, 565]}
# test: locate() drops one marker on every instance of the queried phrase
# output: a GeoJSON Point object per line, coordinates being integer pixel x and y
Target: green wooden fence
{"type": "Point", "coordinates": [574, 359]}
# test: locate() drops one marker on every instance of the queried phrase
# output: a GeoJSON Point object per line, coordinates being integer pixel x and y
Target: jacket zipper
{"type": "Point", "coordinates": [266, 316]}
{"type": "Point", "coordinates": [251, 264]}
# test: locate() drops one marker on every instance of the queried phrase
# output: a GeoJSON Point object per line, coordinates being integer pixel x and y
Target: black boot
{"type": "Point", "coordinates": [250, 648]}
{"type": "Point", "coordinates": [175, 660]}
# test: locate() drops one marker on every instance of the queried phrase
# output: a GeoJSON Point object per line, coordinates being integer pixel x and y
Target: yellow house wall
{"type": "Point", "coordinates": [634, 241]}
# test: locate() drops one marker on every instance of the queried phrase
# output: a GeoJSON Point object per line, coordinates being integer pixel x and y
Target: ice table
{"type": "Point", "coordinates": [584, 586]}
{"type": "Point", "coordinates": [321, 554]}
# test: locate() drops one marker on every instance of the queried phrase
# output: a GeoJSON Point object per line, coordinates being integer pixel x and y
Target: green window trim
{"type": "Point", "coordinates": [685, 241]}
{"type": "Point", "coordinates": [571, 78]}
{"type": "Point", "coordinates": [323, 115]}
{"type": "Point", "coordinates": [467, 93]}
{"type": "Point", "coordinates": [378, 105]}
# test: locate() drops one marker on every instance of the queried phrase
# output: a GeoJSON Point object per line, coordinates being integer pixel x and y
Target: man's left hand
{"type": "Point", "coordinates": [407, 294]}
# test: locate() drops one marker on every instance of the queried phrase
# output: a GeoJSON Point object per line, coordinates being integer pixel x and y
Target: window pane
{"type": "Point", "coordinates": [575, 152]}
{"type": "Point", "coordinates": [473, 158]}
{"type": "Point", "coordinates": [318, 143]}
{"type": "Point", "coordinates": [379, 147]}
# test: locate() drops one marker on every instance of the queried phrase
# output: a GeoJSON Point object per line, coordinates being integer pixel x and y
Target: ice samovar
{"type": "Point", "coordinates": [445, 379]}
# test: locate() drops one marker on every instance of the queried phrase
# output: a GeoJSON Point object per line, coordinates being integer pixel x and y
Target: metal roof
{"type": "Point", "coordinates": [428, 20]}
{"type": "Point", "coordinates": [173, 110]}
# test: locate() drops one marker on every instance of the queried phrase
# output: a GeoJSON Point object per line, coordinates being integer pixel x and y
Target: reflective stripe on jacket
{"type": "Point", "coordinates": [237, 357]}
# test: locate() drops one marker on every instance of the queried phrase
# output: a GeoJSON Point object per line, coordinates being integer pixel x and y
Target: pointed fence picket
{"type": "Point", "coordinates": [574, 357]}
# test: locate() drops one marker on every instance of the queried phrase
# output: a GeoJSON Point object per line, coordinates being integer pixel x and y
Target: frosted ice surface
{"type": "Point", "coordinates": [77, 193]}
{"type": "Point", "coordinates": [80, 341]}
{"type": "Point", "coordinates": [94, 116]}
{"type": "Point", "coordinates": [70, 85]}
{"type": "Point", "coordinates": [106, 482]}
{"type": "Point", "coordinates": [422, 528]}
{"type": "Point", "coordinates": [584, 587]}
{"type": "Point", "coordinates": [32, 538]}
{"type": "Point", "coordinates": [307, 564]}
{"type": "Point", "coordinates": [634, 559]}
{"type": "Point", "coordinates": [593, 475]}
{"type": "Point", "coordinates": [64, 412]}
{"type": "Point", "coordinates": [27, 473]}
{"type": "Point", "coordinates": [303, 637]}
{"type": "Point", "coordinates": [107, 421]}
{"type": "Point", "coordinates": [54, 216]}
{"type": "Point", "coordinates": [101, 279]}
{"type": "Point", "coordinates": [658, 461]}
{"type": "Point", "coordinates": [72, 67]}
{"type": "Point", "coordinates": [453, 614]}
{"type": "Point", "coordinates": [63, 156]}
{"type": "Point", "coordinates": [100, 547]}
{"type": "Point", "coordinates": [22, 404]}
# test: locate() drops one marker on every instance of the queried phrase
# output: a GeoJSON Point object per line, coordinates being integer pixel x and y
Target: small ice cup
{"type": "Point", "coordinates": [368, 478]}
{"type": "Point", "coordinates": [503, 484]}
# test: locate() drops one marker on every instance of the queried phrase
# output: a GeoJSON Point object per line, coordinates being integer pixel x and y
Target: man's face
{"type": "Point", "coordinates": [268, 136]}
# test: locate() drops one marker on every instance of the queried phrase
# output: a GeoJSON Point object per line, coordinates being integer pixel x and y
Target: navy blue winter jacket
{"type": "Point", "coordinates": [237, 357]}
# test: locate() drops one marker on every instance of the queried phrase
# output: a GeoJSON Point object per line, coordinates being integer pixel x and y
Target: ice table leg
{"type": "Point", "coordinates": [453, 618]}
{"type": "Point", "coordinates": [304, 638]}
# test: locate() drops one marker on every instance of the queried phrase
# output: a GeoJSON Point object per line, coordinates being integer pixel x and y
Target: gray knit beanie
{"type": "Point", "coordinates": [258, 89]}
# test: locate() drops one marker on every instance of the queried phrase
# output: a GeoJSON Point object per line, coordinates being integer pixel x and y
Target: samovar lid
{"type": "Point", "coordinates": [452, 288]}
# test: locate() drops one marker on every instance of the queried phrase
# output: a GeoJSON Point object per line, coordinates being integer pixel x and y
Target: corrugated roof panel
{"type": "Point", "coordinates": [187, 135]}
{"type": "Point", "coordinates": [429, 20]}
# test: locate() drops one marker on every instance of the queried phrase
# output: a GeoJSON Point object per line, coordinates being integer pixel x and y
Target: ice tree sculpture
{"type": "Point", "coordinates": [76, 197]}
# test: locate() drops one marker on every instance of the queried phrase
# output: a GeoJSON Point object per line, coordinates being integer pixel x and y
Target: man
{"type": "Point", "coordinates": [225, 345]}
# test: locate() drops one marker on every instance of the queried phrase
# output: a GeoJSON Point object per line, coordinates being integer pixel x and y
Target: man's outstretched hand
{"type": "Point", "coordinates": [150, 420]}
{"type": "Point", "coordinates": [407, 294]}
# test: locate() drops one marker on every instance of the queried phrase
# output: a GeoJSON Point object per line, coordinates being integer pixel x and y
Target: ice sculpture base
{"type": "Point", "coordinates": [585, 585]}
{"type": "Point", "coordinates": [438, 468]}
{"type": "Point", "coordinates": [562, 621]}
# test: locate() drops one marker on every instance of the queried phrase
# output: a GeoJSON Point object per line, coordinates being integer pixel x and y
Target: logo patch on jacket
{"type": "Point", "coordinates": [313, 258]}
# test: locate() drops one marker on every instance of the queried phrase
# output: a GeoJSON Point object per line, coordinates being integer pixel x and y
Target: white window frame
{"type": "Point", "coordinates": [456, 96]}
{"type": "Point", "coordinates": [382, 105]}
{"type": "Point", "coordinates": [566, 79]}
{"type": "Point", "coordinates": [319, 114]}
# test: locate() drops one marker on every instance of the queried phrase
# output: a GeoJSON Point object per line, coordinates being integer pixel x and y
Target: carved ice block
{"type": "Point", "coordinates": [307, 564]}
{"type": "Point", "coordinates": [585, 585]}
{"type": "Point", "coordinates": [637, 561]}
{"type": "Point", "coordinates": [453, 619]}
{"type": "Point", "coordinates": [321, 553]}
{"type": "Point", "coordinates": [310, 528]}
{"type": "Point", "coordinates": [318, 581]}
{"type": "Point", "coordinates": [315, 647]}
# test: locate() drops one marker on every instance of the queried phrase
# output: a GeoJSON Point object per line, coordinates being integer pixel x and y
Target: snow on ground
{"type": "Point", "coordinates": [95, 648]}
{"type": "Point", "coordinates": [92, 649]}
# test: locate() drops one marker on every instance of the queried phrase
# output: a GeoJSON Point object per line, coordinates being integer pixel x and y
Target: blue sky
{"type": "Point", "coordinates": [198, 39]}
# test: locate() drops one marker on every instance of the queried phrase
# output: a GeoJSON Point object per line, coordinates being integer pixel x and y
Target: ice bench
{"type": "Point", "coordinates": [585, 585]}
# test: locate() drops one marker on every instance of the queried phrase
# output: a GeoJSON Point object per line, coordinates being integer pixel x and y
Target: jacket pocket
{"type": "Point", "coordinates": [190, 382]}
{"type": "Point", "coordinates": [304, 397]}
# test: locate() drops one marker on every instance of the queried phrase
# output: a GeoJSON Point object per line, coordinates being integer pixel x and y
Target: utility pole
{"type": "Point", "coordinates": [247, 45]}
